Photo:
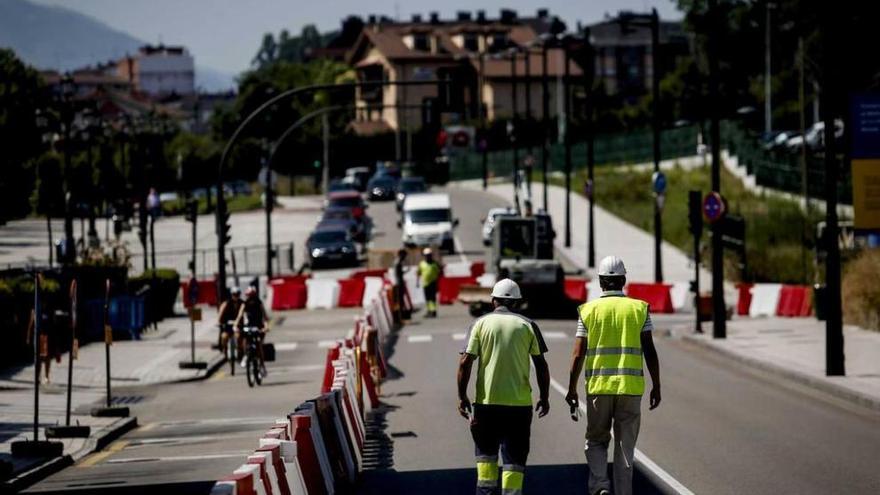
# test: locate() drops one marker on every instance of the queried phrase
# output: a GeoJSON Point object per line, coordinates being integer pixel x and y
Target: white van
{"type": "Point", "coordinates": [427, 221]}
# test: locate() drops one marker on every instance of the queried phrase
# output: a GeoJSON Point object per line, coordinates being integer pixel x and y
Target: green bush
{"type": "Point", "coordinates": [861, 292]}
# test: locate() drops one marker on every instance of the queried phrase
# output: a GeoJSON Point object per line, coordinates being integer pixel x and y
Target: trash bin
{"type": "Point", "coordinates": [820, 301]}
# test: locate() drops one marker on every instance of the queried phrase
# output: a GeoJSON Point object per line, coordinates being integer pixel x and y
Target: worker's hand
{"type": "Point", "coordinates": [543, 407]}
{"type": "Point", "coordinates": [464, 407]}
{"type": "Point", "coordinates": [655, 398]}
{"type": "Point", "coordinates": [571, 398]}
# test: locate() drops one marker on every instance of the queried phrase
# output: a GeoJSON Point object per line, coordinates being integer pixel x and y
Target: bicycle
{"type": "Point", "coordinates": [231, 348]}
{"type": "Point", "coordinates": [253, 364]}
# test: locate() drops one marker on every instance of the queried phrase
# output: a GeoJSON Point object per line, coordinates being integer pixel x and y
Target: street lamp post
{"type": "Point", "coordinates": [545, 119]}
{"type": "Point", "coordinates": [567, 142]}
{"type": "Point", "coordinates": [484, 145]}
{"type": "Point", "coordinates": [655, 128]}
{"type": "Point", "coordinates": [719, 311]}
{"type": "Point", "coordinates": [270, 205]}
{"type": "Point", "coordinates": [512, 127]}
{"type": "Point", "coordinates": [589, 74]}
{"type": "Point", "coordinates": [68, 86]}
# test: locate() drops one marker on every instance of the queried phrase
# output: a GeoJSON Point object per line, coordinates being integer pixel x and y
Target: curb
{"type": "Point", "coordinates": [213, 365]}
{"type": "Point", "coordinates": [818, 383]}
{"type": "Point", "coordinates": [94, 443]}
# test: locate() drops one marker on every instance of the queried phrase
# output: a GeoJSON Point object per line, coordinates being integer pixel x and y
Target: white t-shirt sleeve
{"type": "Point", "coordinates": [581, 329]}
{"type": "Point", "coordinates": [649, 325]}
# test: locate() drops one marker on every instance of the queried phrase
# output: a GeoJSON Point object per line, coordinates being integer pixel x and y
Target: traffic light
{"type": "Point", "coordinates": [223, 226]}
{"type": "Point", "coordinates": [192, 211]}
{"type": "Point", "coordinates": [695, 213]}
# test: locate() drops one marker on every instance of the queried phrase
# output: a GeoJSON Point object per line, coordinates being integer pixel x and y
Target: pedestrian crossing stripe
{"type": "Point", "coordinates": [419, 338]}
{"type": "Point", "coordinates": [286, 346]}
{"type": "Point", "coordinates": [459, 336]}
{"type": "Point", "coordinates": [555, 335]}
{"type": "Point", "coordinates": [326, 344]}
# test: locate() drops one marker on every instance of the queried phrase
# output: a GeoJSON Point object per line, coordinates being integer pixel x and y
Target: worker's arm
{"type": "Point", "coordinates": [653, 363]}
{"type": "Point", "coordinates": [542, 373]}
{"type": "Point", "coordinates": [464, 376]}
{"type": "Point", "coordinates": [578, 353]}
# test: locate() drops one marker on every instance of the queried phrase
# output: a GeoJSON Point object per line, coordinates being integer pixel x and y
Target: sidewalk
{"type": "Point", "coordinates": [150, 361]}
{"type": "Point", "coordinates": [795, 349]}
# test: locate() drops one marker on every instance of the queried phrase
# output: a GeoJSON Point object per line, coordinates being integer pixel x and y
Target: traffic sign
{"type": "Point", "coordinates": [658, 182]}
{"type": "Point", "coordinates": [714, 207]}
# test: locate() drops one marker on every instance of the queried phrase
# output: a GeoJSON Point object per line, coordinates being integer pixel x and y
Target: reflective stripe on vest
{"type": "Point", "coordinates": [614, 345]}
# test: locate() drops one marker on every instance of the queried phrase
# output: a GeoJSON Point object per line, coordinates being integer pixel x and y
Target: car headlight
{"type": "Point", "coordinates": [401, 196]}
{"type": "Point", "coordinates": [318, 252]}
{"type": "Point", "coordinates": [347, 249]}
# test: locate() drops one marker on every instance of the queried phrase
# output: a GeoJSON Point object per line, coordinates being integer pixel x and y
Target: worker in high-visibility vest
{"type": "Point", "coordinates": [429, 272]}
{"type": "Point", "coordinates": [503, 342]}
{"type": "Point", "coordinates": [613, 333]}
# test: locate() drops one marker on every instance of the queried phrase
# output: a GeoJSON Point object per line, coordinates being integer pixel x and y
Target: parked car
{"type": "Point", "coordinates": [381, 188]}
{"type": "Point", "coordinates": [489, 222]}
{"type": "Point", "coordinates": [331, 246]}
{"type": "Point", "coordinates": [357, 176]}
{"type": "Point", "coordinates": [407, 186]}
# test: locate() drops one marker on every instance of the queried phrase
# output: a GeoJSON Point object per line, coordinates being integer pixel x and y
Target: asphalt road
{"type": "Point", "coordinates": [722, 428]}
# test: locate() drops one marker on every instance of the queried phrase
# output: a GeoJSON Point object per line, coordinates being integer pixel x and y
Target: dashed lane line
{"type": "Point", "coordinates": [555, 335]}
{"type": "Point", "coordinates": [419, 338]}
{"type": "Point", "coordinates": [459, 336]}
{"type": "Point", "coordinates": [286, 346]}
{"type": "Point", "coordinates": [179, 458]}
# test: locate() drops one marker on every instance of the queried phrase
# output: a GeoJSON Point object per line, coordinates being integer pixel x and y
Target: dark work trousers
{"type": "Point", "coordinates": [507, 428]}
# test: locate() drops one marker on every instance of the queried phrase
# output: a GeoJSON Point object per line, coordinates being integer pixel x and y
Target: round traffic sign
{"type": "Point", "coordinates": [714, 207]}
{"type": "Point", "coordinates": [658, 182]}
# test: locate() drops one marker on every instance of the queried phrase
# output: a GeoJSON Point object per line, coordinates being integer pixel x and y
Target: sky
{"type": "Point", "coordinates": [225, 34]}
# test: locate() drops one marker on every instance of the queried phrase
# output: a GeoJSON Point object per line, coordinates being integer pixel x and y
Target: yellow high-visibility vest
{"type": "Point", "coordinates": [614, 345]}
{"type": "Point", "coordinates": [429, 272]}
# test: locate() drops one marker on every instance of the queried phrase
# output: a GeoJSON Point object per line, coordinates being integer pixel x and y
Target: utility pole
{"type": "Point", "coordinates": [567, 142]}
{"type": "Point", "coordinates": [834, 357]}
{"type": "Point", "coordinates": [512, 128]}
{"type": "Point", "coordinates": [655, 128]}
{"type": "Point", "coordinates": [545, 121]}
{"type": "Point", "coordinates": [484, 143]}
{"type": "Point", "coordinates": [325, 172]}
{"type": "Point", "coordinates": [768, 91]}
{"type": "Point", "coordinates": [528, 120]}
{"type": "Point", "coordinates": [270, 205]}
{"type": "Point", "coordinates": [719, 311]}
{"type": "Point", "coordinates": [589, 74]}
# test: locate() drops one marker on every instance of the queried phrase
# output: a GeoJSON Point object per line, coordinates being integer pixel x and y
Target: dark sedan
{"type": "Point", "coordinates": [344, 216]}
{"type": "Point", "coordinates": [381, 188]}
{"type": "Point", "coordinates": [331, 245]}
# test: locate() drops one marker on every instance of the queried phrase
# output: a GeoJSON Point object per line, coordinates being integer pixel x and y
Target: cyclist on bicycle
{"type": "Point", "coordinates": [254, 314]}
{"type": "Point", "coordinates": [227, 314]}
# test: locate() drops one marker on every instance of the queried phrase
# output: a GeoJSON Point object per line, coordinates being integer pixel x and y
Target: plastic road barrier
{"type": "Point", "coordinates": [288, 295]}
{"type": "Point", "coordinates": [765, 299]}
{"type": "Point", "coordinates": [372, 273]}
{"type": "Point", "coordinates": [744, 298]}
{"type": "Point", "coordinates": [576, 289]}
{"type": "Point", "coordinates": [238, 483]}
{"type": "Point", "coordinates": [253, 470]}
{"type": "Point", "coordinates": [682, 298]}
{"type": "Point", "coordinates": [449, 287]}
{"type": "Point", "coordinates": [323, 293]}
{"type": "Point", "coordinates": [478, 268]}
{"type": "Point", "coordinates": [351, 292]}
{"type": "Point", "coordinates": [372, 289]}
{"type": "Point", "coordinates": [457, 269]}
{"type": "Point", "coordinates": [207, 292]}
{"type": "Point", "coordinates": [307, 433]}
{"type": "Point", "coordinates": [658, 296]}
{"type": "Point", "coordinates": [289, 452]}
{"type": "Point", "coordinates": [267, 472]}
{"type": "Point", "coordinates": [594, 290]}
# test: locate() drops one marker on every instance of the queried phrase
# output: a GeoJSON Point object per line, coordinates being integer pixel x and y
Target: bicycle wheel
{"type": "Point", "coordinates": [257, 372]}
{"type": "Point", "coordinates": [252, 371]}
{"type": "Point", "coordinates": [230, 353]}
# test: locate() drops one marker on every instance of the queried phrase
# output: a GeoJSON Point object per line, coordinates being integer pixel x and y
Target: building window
{"type": "Point", "coordinates": [471, 42]}
{"type": "Point", "coordinates": [421, 42]}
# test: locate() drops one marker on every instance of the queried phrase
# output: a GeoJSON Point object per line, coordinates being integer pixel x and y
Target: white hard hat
{"type": "Point", "coordinates": [427, 252]}
{"type": "Point", "coordinates": [611, 266]}
{"type": "Point", "coordinates": [506, 289]}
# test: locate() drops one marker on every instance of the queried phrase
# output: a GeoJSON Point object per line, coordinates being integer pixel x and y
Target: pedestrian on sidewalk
{"type": "Point", "coordinates": [613, 332]}
{"type": "Point", "coordinates": [503, 342]}
{"type": "Point", "coordinates": [429, 272]}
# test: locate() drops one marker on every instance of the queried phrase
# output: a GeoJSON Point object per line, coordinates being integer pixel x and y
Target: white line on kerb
{"type": "Point", "coordinates": [419, 338]}
{"type": "Point", "coordinates": [639, 455]}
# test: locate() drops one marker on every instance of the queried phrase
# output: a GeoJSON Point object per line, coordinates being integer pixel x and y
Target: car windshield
{"type": "Point", "coordinates": [329, 236]}
{"type": "Point", "coordinates": [428, 216]}
{"type": "Point", "coordinates": [347, 202]}
{"type": "Point", "coordinates": [337, 215]}
{"type": "Point", "coordinates": [382, 182]}
{"type": "Point", "coordinates": [410, 186]}
{"type": "Point", "coordinates": [341, 186]}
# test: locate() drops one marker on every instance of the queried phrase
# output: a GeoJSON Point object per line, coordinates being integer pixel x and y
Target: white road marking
{"type": "Point", "coordinates": [286, 346]}
{"type": "Point", "coordinates": [419, 338]}
{"type": "Point", "coordinates": [554, 335]}
{"type": "Point", "coordinates": [326, 344]}
{"type": "Point", "coordinates": [246, 420]}
{"type": "Point", "coordinates": [459, 336]}
{"type": "Point", "coordinates": [640, 456]}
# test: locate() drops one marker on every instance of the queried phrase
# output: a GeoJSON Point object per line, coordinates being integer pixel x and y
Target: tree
{"type": "Point", "coordinates": [21, 94]}
{"type": "Point", "coordinates": [268, 52]}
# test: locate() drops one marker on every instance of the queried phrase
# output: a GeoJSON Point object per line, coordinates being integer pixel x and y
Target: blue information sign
{"type": "Point", "coordinates": [865, 125]}
{"type": "Point", "coordinates": [713, 207]}
{"type": "Point", "coordinates": [659, 182]}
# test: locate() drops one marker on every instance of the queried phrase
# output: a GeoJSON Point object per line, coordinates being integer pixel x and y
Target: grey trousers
{"type": "Point", "coordinates": [622, 413]}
